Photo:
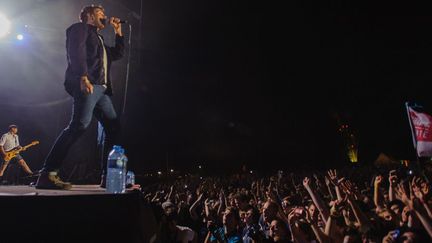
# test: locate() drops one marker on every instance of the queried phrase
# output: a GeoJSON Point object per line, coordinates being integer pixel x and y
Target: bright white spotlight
{"type": "Point", "coordinates": [20, 37]}
{"type": "Point", "coordinates": [4, 25]}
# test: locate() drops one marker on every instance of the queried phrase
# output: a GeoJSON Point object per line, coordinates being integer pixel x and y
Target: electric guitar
{"type": "Point", "coordinates": [13, 152]}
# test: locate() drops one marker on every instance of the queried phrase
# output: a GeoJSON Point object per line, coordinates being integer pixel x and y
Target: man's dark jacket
{"type": "Point", "coordinates": [85, 56]}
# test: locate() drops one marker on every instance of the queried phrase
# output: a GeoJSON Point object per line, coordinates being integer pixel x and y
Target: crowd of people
{"type": "Point", "coordinates": [353, 204]}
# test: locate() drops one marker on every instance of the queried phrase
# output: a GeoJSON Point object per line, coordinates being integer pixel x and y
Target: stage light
{"type": "Point", "coordinates": [172, 170]}
{"type": "Point", "coordinates": [199, 166]}
{"type": "Point", "coordinates": [159, 173]}
{"type": "Point", "coordinates": [4, 26]}
{"type": "Point", "coordinates": [20, 37]}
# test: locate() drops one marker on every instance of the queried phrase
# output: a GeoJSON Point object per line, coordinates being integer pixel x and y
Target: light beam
{"type": "Point", "coordinates": [4, 25]}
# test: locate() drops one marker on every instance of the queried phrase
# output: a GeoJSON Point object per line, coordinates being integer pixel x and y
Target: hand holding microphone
{"type": "Point", "coordinates": [116, 24]}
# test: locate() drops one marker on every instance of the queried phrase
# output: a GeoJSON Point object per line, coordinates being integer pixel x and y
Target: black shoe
{"type": "Point", "coordinates": [50, 180]}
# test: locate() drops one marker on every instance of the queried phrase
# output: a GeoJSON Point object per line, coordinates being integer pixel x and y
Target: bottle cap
{"type": "Point", "coordinates": [117, 148]}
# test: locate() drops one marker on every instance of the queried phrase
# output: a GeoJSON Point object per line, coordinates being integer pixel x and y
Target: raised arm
{"type": "Point", "coordinates": [296, 234]}
{"type": "Point", "coordinates": [312, 219]}
{"type": "Point", "coordinates": [329, 189]}
{"type": "Point", "coordinates": [319, 203]}
{"type": "Point", "coordinates": [222, 201]}
{"type": "Point", "coordinates": [117, 51]}
{"type": "Point", "coordinates": [392, 183]}
{"type": "Point", "coordinates": [360, 216]}
{"type": "Point", "coordinates": [333, 177]}
{"type": "Point", "coordinates": [414, 205]}
{"type": "Point", "coordinates": [420, 189]}
{"type": "Point", "coordinates": [170, 196]}
{"type": "Point", "coordinates": [377, 193]}
{"type": "Point", "coordinates": [192, 210]}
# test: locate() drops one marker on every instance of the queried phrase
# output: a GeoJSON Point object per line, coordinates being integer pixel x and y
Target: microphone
{"type": "Point", "coordinates": [105, 20]}
{"type": "Point", "coordinates": [122, 21]}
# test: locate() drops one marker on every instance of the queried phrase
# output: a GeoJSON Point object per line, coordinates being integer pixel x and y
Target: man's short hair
{"type": "Point", "coordinates": [255, 213]}
{"type": "Point", "coordinates": [397, 202]}
{"type": "Point", "coordinates": [272, 205]}
{"type": "Point", "coordinates": [171, 216]}
{"type": "Point", "coordinates": [235, 212]}
{"type": "Point", "coordinates": [12, 126]}
{"type": "Point", "coordinates": [241, 197]}
{"type": "Point", "coordinates": [167, 205]}
{"type": "Point", "coordinates": [90, 9]}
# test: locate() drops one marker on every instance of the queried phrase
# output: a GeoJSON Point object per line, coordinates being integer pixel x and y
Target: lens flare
{"type": "Point", "coordinates": [4, 26]}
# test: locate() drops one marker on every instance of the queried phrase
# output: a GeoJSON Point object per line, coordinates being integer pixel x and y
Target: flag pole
{"type": "Point", "coordinates": [414, 138]}
{"type": "Point", "coordinates": [412, 129]}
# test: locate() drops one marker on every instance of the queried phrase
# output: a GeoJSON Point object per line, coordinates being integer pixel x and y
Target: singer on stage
{"type": "Point", "coordinates": [88, 82]}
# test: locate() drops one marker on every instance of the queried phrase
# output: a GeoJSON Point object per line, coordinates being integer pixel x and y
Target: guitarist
{"type": "Point", "coordinates": [8, 142]}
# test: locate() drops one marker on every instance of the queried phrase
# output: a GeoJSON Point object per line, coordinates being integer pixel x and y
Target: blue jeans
{"type": "Point", "coordinates": [84, 107]}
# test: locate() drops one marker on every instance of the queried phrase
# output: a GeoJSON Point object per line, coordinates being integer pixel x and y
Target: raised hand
{"type": "Point", "coordinates": [350, 185]}
{"type": "Point", "coordinates": [424, 187]}
{"type": "Point", "coordinates": [115, 23]}
{"type": "Point", "coordinates": [348, 189]}
{"type": "Point", "coordinates": [306, 182]}
{"type": "Point", "coordinates": [392, 177]}
{"type": "Point", "coordinates": [402, 195]}
{"type": "Point", "coordinates": [417, 191]}
{"type": "Point", "coordinates": [332, 174]}
{"type": "Point", "coordinates": [378, 180]}
{"type": "Point", "coordinates": [292, 216]}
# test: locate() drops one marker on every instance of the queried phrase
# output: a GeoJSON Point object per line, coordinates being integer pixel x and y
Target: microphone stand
{"type": "Point", "coordinates": [127, 71]}
{"type": "Point", "coordinates": [101, 131]}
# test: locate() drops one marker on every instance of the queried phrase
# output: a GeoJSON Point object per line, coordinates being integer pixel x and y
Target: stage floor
{"type": "Point", "coordinates": [32, 191]}
{"type": "Point", "coordinates": [86, 213]}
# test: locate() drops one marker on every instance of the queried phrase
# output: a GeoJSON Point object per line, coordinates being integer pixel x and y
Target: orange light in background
{"type": "Point", "coordinates": [350, 143]}
{"type": "Point", "coordinates": [353, 154]}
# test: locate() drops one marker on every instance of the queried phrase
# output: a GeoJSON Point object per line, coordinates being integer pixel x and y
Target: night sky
{"type": "Point", "coordinates": [226, 83]}
{"type": "Point", "coordinates": [245, 82]}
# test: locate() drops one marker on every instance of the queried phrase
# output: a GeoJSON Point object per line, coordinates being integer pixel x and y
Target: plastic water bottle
{"type": "Point", "coordinates": [116, 166]}
{"type": "Point", "coordinates": [130, 178]}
